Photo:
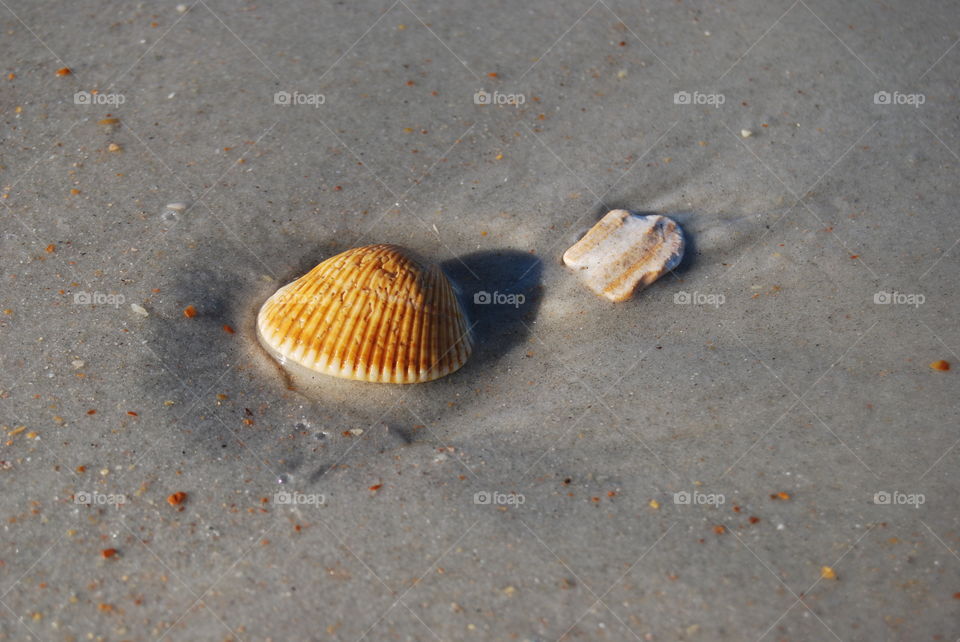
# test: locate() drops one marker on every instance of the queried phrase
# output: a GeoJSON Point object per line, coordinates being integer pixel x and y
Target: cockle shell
{"type": "Point", "coordinates": [626, 251]}
{"type": "Point", "coordinates": [376, 313]}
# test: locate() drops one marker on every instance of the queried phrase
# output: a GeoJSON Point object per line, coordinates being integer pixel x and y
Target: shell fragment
{"type": "Point", "coordinates": [626, 251]}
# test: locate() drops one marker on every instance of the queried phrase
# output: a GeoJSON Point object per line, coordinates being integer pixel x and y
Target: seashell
{"type": "Point", "coordinates": [376, 313]}
{"type": "Point", "coordinates": [624, 251]}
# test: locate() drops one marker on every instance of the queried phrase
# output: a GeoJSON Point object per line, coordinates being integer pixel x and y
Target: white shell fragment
{"type": "Point", "coordinates": [626, 251]}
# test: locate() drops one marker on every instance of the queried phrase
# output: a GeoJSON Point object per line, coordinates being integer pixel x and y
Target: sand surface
{"type": "Point", "coordinates": [537, 494]}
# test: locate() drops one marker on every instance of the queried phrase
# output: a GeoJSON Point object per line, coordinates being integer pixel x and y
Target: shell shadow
{"type": "Point", "coordinates": [686, 221]}
{"type": "Point", "coordinates": [187, 363]}
{"type": "Point", "coordinates": [501, 292]}
{"type": "Point", "coordinates": [191, 361]}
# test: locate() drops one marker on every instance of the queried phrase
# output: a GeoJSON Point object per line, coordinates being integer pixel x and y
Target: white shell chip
{"type": "Point", "coordinates": [626, 251]}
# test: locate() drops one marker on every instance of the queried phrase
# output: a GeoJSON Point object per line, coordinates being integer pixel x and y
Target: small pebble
{"type": "Point", "coordinates": [139, 309]}
{"type": "Point", "coordinates": [77, 363]}
{"type": "Point", "coordinates": [746, 133]}
{"type": "Point", "coordinates": [940, 365]}
{"type": "Point", "coordinates": [113, 147]}
{"type": "Point", "coordinates": [182, 8]}
{"type": "Point", "coordinates": [177, 206]}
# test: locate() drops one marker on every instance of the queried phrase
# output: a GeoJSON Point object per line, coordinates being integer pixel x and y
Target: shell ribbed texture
{"type": "Point", "coordinates": [374, 313]}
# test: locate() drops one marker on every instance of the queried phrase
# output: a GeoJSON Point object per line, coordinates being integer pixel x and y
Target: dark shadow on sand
{"type": "Point", "coordinates": [192, 360]}
{"type": "Point", "coordinates": [501, 294]}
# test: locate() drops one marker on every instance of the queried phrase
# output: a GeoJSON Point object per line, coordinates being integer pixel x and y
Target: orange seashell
{"type": "Point", "coordinates": [376, 313]}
